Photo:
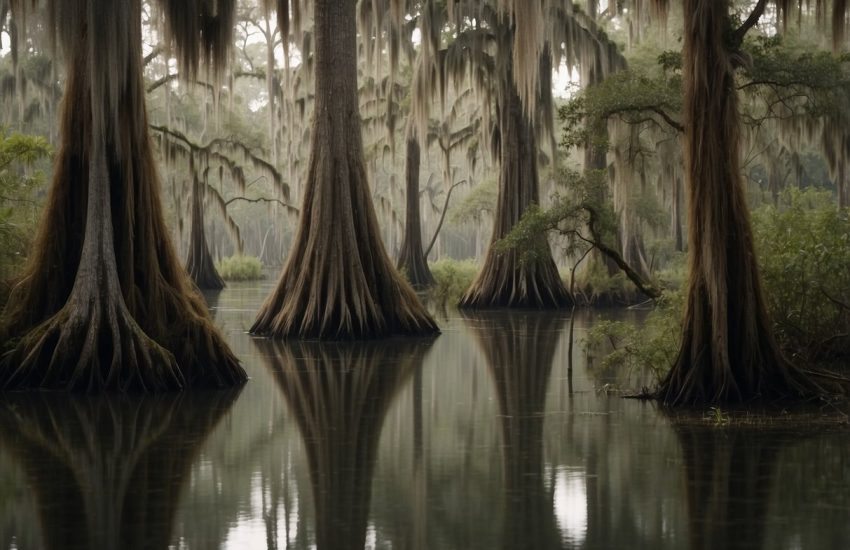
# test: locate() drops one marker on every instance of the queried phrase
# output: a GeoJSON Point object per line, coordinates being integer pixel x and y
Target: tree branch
{"type": "Point", "coordinates": [751, 21]}
{"type": "Point", "coordinates": [673, 123]}
{"type": "Point", "coordinates": [642, 284]}
{"type": "Point", "coordinates": [442, 217]}
{"type": "Point", "coordinates": [151, 56]}
{"type": "Point", "coordinates": [228, 202]}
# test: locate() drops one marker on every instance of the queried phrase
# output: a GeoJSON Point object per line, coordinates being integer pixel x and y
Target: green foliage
{"type": "Point", "coordinates": [810, 83]}
{"type": "Point", "coordinates": [804, 252]}
{"type": "Point", "coordinates": [482, 198]}
{"type": "Point", "coordinates": [19, 186]}
{"type": "Point", "coordinates": [648, 348]}
{"type": "Point", "coordinates": [569, 215]}
{"type": "Point", "coordinates": [240, 268]}
{"type": "Point", "coordinates": [595, 281]}
{"type": "Point", "coordinates": [452, 278]}
{"type": "Point", "coordinates": [630, 95]}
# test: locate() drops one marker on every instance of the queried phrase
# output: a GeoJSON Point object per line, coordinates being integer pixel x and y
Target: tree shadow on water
{"type": "Point", "coordinates": [108, 471]}
{"type": "Point", "coordinates": [339, 394]}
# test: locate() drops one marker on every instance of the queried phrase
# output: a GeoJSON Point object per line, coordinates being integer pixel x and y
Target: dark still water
{"type": "Point", "coordinates": [471, 440]}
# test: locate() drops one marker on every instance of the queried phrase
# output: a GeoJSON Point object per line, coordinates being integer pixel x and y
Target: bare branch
{"type": "Point", "coordinates": [751, 21]}
{"type": "Point", "coordinates": [442, 216]}
{"type": "Point", "coordinates": [228, 202]}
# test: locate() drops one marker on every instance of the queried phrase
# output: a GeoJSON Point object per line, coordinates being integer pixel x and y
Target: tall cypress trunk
{"type": "Point", "coordinates": [338, 281]}
{"type": "Point", "coordinates": [728, 352]}
{"type": "Point", "coordinates": [200, 264]}
{"type": "Point", "coordinates": [412, 259]}
{"type": "Point", "coordinates": [104, 303]}
{"type": "Point", "coordinates": [505, 281]}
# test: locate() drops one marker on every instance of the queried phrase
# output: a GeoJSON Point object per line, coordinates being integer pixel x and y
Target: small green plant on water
{"type": "Point", "coordinates": [717, 416]}
{"type": "Point", "coordinates": [240, 268]}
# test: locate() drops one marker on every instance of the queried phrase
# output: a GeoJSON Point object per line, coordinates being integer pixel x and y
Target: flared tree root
{"type": "Point", "coordinates": [88, 346]}
{"type": "Point", "coordinates": [506, 282]}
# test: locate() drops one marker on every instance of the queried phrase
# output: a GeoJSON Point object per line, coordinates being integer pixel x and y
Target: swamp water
{"type": "Point", "coordinates": [475, 439]}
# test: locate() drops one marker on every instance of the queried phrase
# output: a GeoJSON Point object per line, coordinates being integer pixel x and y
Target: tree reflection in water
{"type": "Point", "coordinates": [108, 471]}
{"type": "Point", "coordinates": [519, 348]}
{"type": "Point", "coordinates": [339, 394]}
{"type": "Point", "coordinates": [730, 473]}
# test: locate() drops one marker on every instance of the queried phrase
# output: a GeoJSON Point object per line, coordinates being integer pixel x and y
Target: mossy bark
{"type": "Point", "coordinates": [104, 303]}
{"type": "Point", "coordinates": [504, 280]}
{"type": "Point", "coordinates": [199, 263]}
{"type": "Point", "coordinates": [411, 260]}
{"type": "Point", "coordinates": [339, 282]}
{"type": "Point", "coordinates": [728, 352]}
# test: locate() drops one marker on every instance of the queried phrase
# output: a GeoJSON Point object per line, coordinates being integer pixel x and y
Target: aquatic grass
{"type": "Point", "coordinates": [240, 268]}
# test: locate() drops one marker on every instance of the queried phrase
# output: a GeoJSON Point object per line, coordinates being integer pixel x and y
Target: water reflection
{"type": "Point", "coordinates": [483, 447]}
{"type": "Point", "coordinates": [729, 474]}
{"type": "Point", "coordinates": [519, 349]}
{"type": "Point", "coordinates": [105, 471]}
{"type": "Point", "coordinates": [339, 395]}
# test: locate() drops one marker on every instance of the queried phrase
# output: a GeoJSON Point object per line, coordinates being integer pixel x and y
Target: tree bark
{"type": "Point", "coordinates": [104, 303]}
{"type": "Point", "coordinates": [200, 264]}
{"type": "Point", "coordinates": [338, 282]}
{"type": "Point", "coordinates": [411, 259]}
{"type": "Point", "coordinates": [505, 281]}
{"type": "Point", "coordinates": [676, 215]}
{"type": "Point", "coordinates": [728, 353]}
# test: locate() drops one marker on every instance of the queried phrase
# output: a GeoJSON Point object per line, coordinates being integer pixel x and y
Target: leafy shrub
{"type": "Point", "coordinates": [647, 348]}
{"type": "Point", "coordinates": [240, 268]}
{"type": "Point", "coordinates": [19, 204]}
{"type": "Point", "coordinates": [452, 278]}
{"type": "Point", "coordinates": [804, 252]}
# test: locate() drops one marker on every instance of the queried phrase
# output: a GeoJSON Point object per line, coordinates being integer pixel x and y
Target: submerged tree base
{"type": "Point", "coordinates": [506, 282]}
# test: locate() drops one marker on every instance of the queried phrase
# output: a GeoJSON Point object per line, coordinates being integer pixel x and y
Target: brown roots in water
{"type": "Point", "coordinates": [104, 303]}
{"type": "Point", "coordinates": [338, 282]}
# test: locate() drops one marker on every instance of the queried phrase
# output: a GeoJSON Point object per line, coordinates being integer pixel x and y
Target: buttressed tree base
{"type": "Point", "coordinates": [338, 282]}
{"type": "Point", "coordinates": [104, 303]}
